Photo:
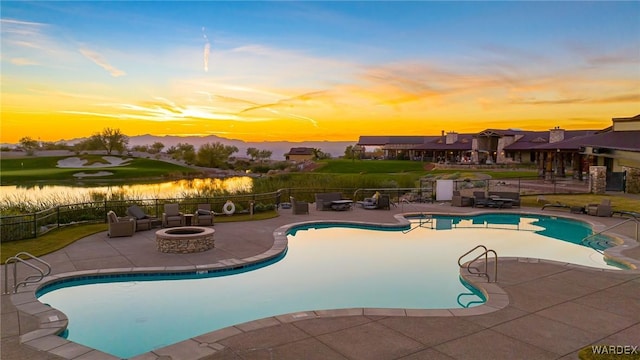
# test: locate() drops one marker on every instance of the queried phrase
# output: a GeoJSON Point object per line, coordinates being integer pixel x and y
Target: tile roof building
{"type": "Point", "coordinates": [616, 147]}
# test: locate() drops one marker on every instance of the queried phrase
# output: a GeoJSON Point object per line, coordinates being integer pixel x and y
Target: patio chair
{"type": "Point", "coordinates": [143, 221]}
{"type": "Point", "coordinates": [172, 216]}
{"type": "Point", "coordinates": [204, 215]}
{"type": "Point", "coordinates": [125, 226]}
{"type": "Point", "coordinates": [603, 209]}
{"type": "Point", "coordinates": [479, 199]}
{"type": "Point", "coordinates": [299, 207]}
{"type": "Point", "coordinates": [459, 200]}
{"type": "Point", "coordinates": [377, 201]}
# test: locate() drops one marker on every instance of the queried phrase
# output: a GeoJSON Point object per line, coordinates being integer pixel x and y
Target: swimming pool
{"type": "Point", "coordinates": [327, 266]}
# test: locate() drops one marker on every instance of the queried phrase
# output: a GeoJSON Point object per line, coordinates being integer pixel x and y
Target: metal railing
{"type": "Point", "coordinates": [604, 242]}
{"type": "Point", "coordinates": [29, 279]}
{"type": "Point", "coordinates": [476, 271]}
{"type": "Point", "coordinates": [32, 225]}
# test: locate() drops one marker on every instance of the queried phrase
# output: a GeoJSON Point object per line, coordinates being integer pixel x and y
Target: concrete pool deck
{"type": "Point", "coordinates": [553, 310]}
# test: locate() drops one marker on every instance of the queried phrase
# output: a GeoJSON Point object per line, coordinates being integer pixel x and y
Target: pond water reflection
{"type": "Point", "coordinates": [169, 189]}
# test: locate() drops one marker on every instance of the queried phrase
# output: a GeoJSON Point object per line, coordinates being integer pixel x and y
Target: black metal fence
{"type": "Point", "coordinates": [27, 226]}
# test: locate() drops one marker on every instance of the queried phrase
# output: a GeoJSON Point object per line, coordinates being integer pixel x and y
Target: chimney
{"type": "Point", "coordinates": [451, 137]}
{"type": "Point", "coordinates": [556, 134]}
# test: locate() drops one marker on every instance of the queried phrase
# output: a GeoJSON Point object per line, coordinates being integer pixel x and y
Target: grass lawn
{"type": "Point", "coordinates": [617, 202]}
{"type": "Point", "coordinates": [343, 166]}
{"type": "Point", "coordinates": [59, 238]}
{"type": "Point", "coordinates": [32, 169]}
{"type": "Point", "coordinates": [51, 241]}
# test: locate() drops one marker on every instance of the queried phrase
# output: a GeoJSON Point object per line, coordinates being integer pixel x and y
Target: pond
{"type": "Point", "coordinates": [36, 193]}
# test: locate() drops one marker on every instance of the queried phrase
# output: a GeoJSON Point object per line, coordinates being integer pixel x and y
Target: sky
{"type": "Point", "coordinates": [312, 70]}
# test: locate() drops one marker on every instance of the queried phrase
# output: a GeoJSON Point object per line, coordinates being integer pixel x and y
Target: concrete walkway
{"type": "Point", "coordinates": [539, 309]}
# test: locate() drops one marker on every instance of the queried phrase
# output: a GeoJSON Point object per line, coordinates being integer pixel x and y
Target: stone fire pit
{"type": "Point", "coordinates": [185, 239]}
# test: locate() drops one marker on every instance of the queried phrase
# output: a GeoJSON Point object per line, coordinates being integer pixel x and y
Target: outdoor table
{"type": "Point", "coordinates": [341, 205]}
{"type": "Point", "coordinates": [501, 202]}
{"type": "Point", "coordinates": [188, 219]}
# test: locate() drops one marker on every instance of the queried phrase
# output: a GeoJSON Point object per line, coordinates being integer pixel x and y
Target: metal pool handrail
{"type": "Point", "coordinates": [477, 271]}
{"type": "Point", "coordinates": [589, 243]}
{"type": "Point", "coordinates": [29, 279]}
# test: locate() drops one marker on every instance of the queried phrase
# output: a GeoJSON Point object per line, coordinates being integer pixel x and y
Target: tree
{"type": "Point", "coordinates": [257, 154]}
{"type": "Point", "coordinates": [29, 145]}
{"type": "Point", "coordinates": [264, 154]}
{"type": "Point", "coordinates": [214, 155]}
{"type": "Point", "coordinates": [253, 153]}
{"type": "Point", "coordinates": [156, 147]}
{"type": "Point", "coordinates": [185, 152]}
{"type": "Point", "coordinates": [109, 140]}
{"type": "Point", "coordinates": [349, 152]}
{"type": "Point", "coordinates": [319, 154]}
{"type": "Point", "coordinates": [140, 148]}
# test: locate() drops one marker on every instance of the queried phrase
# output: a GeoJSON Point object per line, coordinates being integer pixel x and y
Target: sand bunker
{"type": "Point", "coordinates": [76, 162]}
{"type": "Point", "coordinates": [99, 173]}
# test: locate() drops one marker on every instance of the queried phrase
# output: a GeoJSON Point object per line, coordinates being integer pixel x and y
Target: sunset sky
{"type": "Point", "coordinates": [314, 70]}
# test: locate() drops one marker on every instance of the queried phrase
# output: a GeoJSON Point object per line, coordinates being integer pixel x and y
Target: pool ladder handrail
{"type": "Point", "coordinates": [476, 271]}
{"type": "Point", "coordinates": [42, 273]}
{"type": "Point", "coordinates": [590, 243]}
{"type": "Point", "coordinates": [424, 219]}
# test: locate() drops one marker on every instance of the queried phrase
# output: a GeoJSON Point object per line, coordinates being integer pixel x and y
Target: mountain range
{"type": "Point", "coordinates": [277, 148]}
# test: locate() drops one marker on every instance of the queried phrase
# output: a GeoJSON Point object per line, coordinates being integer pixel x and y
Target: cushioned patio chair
{"type": "Point", "coordinates": [479, 199]}
{"type": "Point", "coordinates": [299, 207]}
{"type": "Point", "coordinates": [143, 221]}
{"type": "Point", "coordinates": [120, 226]}
{"type": "Point", "coordinates": [172, 216]}
{"type": "Point", "coordinates": [459, 200]}
{"type": "Point", "coordinates": [603, 209]}
{"type": "Point", "coordinates": [203, 215]}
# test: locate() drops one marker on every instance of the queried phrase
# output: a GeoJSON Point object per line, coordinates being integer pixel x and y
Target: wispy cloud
{"type": "Point", "coordinates": [23, 61]}
{"type": "Point", "coordinates": [100, 61]}
{"type": "Point", "coordinates": [207, 51]}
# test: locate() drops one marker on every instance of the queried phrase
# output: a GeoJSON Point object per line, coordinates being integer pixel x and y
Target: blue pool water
{"type": "Point", "coordinates": [325, 267]}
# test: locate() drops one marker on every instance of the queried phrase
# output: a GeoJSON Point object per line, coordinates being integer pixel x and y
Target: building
{"type": "Point", "coordinates": [300, 154]}
{"type": "Point", "coordinates": [616, 148]}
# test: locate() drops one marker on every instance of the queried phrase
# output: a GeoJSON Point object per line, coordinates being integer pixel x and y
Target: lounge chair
{"type": "Point", "coordinates": [125, 226]}
{"type": "Point", "coordinates": [172, 216]}
{"type": "Point", "coordinates": [299, 207]}
{"type": "Point", "coordinates": [377, 201]}
{"type": "Point", "coordinates": [603, 209]}
{"type": "Point", "coordinates": [143, 221]}
{"type": "Point", "coordinates": [479, 199]}
{"type": "Point", "coordinates": [203, 215]}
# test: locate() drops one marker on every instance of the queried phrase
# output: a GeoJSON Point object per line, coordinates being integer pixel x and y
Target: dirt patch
{"type": "Point", "coordinates": [429, 166]}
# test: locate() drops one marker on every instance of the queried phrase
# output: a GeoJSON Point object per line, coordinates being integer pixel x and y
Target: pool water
{"type": "Point", "coordinates": [325, 267]}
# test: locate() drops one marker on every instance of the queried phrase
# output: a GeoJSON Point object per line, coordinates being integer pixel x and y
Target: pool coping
{"type": "Point", "coordinates": [52, 322]}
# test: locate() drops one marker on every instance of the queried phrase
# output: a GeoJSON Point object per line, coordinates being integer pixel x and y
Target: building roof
{"type": "Point", "coordinates": [534, 140]}
{"type": "Point", "coordinates": [300, 151]}
{"type": "Point", "coordinates": [463, 142]}
{"type": "Point", "coordinates": [619, 140]}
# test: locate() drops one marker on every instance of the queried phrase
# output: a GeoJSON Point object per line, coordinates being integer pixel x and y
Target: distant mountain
{"type": "Point", "coordinates": [278, 148]}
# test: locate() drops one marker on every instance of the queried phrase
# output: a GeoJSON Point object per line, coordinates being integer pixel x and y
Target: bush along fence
{"type": "Point", "coordinates": [32, 225]}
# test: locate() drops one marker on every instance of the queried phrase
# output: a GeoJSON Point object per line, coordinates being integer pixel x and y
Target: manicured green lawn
{"type": "Point", "coordinates": [51, 241]}
{"type": "Point", "coordinates": [32, 169]}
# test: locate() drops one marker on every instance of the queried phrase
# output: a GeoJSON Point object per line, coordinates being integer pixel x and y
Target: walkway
{"type": "Point", "coordinates": [552, 310]}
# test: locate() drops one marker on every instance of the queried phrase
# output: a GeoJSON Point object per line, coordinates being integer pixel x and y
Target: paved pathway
{"type": "Point", "coordinates": [550, 310]}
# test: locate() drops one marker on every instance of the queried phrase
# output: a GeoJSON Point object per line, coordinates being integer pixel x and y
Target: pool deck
{"type": "Point", "coordinates": [538, 310]}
